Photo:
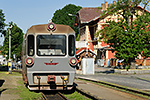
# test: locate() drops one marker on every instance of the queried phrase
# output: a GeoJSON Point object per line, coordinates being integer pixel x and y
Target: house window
{"type": "Point", "coordinates": [82, 34]}
{"type": "Point", "coordinates": [93, 31]}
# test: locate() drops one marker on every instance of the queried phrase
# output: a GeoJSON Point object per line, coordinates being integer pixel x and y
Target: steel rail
{"type": "Point", "coordinates": [65, 98]}
{"type": "Point", "coordinates": [57, 96]}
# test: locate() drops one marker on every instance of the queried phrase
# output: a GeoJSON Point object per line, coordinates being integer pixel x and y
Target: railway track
{"type": "Point", "coordinates": [53, 96]}
{"type": "Point", "coordinates": [59, 96]}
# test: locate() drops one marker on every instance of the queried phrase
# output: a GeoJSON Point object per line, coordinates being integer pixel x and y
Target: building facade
{"type": "Point", "coordinates": [91, 21]}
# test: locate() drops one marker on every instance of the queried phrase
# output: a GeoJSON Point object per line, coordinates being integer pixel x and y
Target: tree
{"type": "Point", "coordinates": [2, 20]}
{"type": "Point", "coordinates": [16, 41]}
{"type": "Point", "coordinates": [61, 16]}
{"type": "Point", "coordinates": [128, 37]}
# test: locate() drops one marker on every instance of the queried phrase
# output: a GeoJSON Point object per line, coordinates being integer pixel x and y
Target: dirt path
{"type": "Point", "coordinates": [8, 86]}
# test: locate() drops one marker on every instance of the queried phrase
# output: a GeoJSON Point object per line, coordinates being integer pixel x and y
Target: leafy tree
{"type": "Point", "coordinates": [16, 41]}
{"type": "Point", "coordinates": [2, 20]}
{"type": "Point", "coordinates": [128, 37]}
{"type": "Point", "coordinates": [143, 33]}
{"type": "Point", "coordinates": [2, 25]}
{"type": "Point", "coordinates": [61, 16]}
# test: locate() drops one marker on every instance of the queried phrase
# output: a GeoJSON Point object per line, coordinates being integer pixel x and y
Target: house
{"type": "Point", "coordinates": [90, 22]}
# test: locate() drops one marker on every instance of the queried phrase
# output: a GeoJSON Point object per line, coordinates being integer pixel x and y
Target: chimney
{"type": "Point", "coordinates": [109, 4]}
{"type": "Point", "coordinates": [119, 0]}
{"type": "Point", "coordinates": [106, 6]}
{"type": "Point", "coordinates": [114, 2]}
{"type": "Point", "coordinates": [103, 7]}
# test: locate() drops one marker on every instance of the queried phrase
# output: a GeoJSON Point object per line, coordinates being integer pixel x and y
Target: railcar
{"type": "Point", "coordinates": [48, 57]}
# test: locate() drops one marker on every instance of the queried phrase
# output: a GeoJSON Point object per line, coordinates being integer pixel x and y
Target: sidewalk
{"type": "Point", "coordinates": [104, 93]}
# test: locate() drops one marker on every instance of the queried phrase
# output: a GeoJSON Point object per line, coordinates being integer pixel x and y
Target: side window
{"type": "Point", "coordinates": [30, 43]}
{"type": "Point", "coordinates": [71, 44]}
{"type": "Point", "coordinates": [23, 48]}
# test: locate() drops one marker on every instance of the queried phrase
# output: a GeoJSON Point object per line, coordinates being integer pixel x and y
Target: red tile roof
{"type": "Point", "coordinates": [88, 14]}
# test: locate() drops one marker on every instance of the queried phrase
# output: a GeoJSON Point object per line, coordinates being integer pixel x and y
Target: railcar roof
{"type": "Point", "coordinates": [43, 29]}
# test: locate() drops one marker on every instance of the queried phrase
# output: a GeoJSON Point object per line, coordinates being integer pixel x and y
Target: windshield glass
{"type": "Point", "coordinates": [51, 45]}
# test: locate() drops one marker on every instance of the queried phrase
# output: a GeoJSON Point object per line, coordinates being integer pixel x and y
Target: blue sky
{"type": "Point", "coordinates": [28, 12]}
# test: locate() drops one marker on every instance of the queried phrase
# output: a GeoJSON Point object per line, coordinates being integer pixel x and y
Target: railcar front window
{"type": "Point", "coordinates": [51, 45]}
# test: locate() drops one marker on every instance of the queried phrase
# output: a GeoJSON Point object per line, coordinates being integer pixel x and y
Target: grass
{"type": "Point", "coordinates": [25, 94]}
{"type": "Point", "coordinates": [4, 73]}
{"type": "Point", "coordinates": [19, 88]}
{"type": "Point", "coordinates": [76, 96]}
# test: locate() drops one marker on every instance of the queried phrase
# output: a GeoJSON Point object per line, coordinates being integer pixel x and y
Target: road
{"type": "Point", "coordinates": [134, 81]}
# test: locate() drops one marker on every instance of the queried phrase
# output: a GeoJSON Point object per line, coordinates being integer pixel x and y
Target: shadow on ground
{"type": "Point", "coordinates": [140, 79]}
{"type": "Point", "coordinates": [2, 91]}
{"type": "Point", "coordinates": [106, 71]}
{"type": "Point", "coordinates": [1, 82]}
{"type": "Point", "coordinates": [3, 68]}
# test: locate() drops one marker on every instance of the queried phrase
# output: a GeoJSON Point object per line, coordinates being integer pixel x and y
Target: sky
{"type": "Point", "coordinates": [26, 13]}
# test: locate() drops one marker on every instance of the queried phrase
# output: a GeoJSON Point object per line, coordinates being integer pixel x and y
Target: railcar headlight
{"type": "Point", "coordinates": [29, 61]}
{"type": "Point", "coordinates": [73, 61]}
{"type": "Point", "coordinates": [51, 26]}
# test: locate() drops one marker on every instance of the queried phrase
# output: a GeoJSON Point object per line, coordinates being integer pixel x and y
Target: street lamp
{"type": "Point", "coordinates": [78, 22]}
{"type": "Point", "coordinates": [79, 32]}
{"type": "Point", "coordinates": [10, 26]}
{"type": "Point", "coordinates": [9, 61]}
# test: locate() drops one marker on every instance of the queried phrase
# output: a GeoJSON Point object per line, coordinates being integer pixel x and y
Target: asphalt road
{"type": "Point", "coordinates": [134, 81]}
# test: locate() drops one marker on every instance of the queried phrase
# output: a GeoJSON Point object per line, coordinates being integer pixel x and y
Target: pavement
{"type": "Point", "coordinates": [104, 93]}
